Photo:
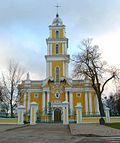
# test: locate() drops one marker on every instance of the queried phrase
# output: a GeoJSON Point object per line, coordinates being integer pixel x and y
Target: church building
{"type": "Point", "coordinates": [57, 87]}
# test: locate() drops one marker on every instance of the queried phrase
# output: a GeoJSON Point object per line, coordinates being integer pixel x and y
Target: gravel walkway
{"type": "Point", "coordinates": [93, 130]}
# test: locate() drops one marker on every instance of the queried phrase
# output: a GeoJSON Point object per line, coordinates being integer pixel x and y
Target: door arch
{"type": "Point", "coordinates": [57, 115]}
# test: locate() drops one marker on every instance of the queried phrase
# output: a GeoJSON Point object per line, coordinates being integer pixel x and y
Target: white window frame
{"type": "Point", "coordinates": [35, 95]}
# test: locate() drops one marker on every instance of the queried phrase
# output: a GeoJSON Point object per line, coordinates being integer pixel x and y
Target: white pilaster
{"type": "Point", "coordinates": [43, 101]}
{"type": "Point", "coordinates": [25, 100]}
{"type": "Point", "coordinates": [48, 100]}
{"type": "Point", "coordinates": [107, 114]}
{"type": "Point", "coordinates": [47, 69]}
{"type": "Point", "coordinates": [50, 49]}
{"type": "Point", "coordinates": [71, 102]}
{"type": "Point", "coordinates": [21, 109]}
{"type": "Point", "coordinates": [86, 103]}
{"type": "Point", "coordinates": [65, 112]}
{"type": "Point", "coordinates": [66, 96]}
{"type": "Point", "coordinates": [63, 47]}
{"type": "Point", "coordinates": [28, 101]}
{"type": "Point", "coordinates": [97, 105]}
{"type": "Point", "coordinates": [53, 115]}
{"type": "Point", "coordinates": [50, 69]}
{"type": "Point", "coordinates": [33, 114]}
{"type": "Point", "coordinates": [90, 103]}
{"type": "Point", "coordinates": [63, 68]}
{"type": "Point", "coordinates": [79, 113]}
{"type": "Point", "coordinates": [66, 70]}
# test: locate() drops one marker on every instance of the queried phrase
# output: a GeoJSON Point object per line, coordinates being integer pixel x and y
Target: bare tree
{"type": "Point", "coordinates": [88, 63]}
{"type": "Point", "coordinates": [3, 100]}
{"type": "Point", "coordinates": [10, 82]}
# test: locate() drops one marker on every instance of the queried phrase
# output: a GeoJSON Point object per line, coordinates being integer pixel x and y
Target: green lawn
{"type": "Point", "coordinates": [113, 125]}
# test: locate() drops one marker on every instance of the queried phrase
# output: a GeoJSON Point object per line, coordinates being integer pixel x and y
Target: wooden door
{"type": "Point", "coordinates": [57, 115]}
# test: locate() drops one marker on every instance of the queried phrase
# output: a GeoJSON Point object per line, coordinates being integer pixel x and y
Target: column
{"type": "Point", "coordinates": [66, 96]}
{"type": "Point", "coordinates": [33, 113]}
{"type": "Point", "coordinates": [63, 48]}
{"type": "Point", "coordinates": [21, 109]}
{"type": "Point", "coordinates": [66, 69]}
{"type": "Point", "coordinates": [43, 102]}
{"type": "Point", "coordinates": [63, 68]}
{"type": "Point", "coordinates": [90, 103]}
{"type": "Point", "coordinates": [79, 113]}
{"type": "Point", "coordinates": [65, 112]}
{"type": "Point", "coordinates": [66, 48]}
{"type": "Point", "coordinates": [50, 69]}
{"type": "Point", "coordinates": [48, 100]}
{"type": "Point", "coordinates": [47, 69]}
{"type": "Point", "coordinates": [71, 103]}
{"type": "Point", "coordinates": [25, 100]}
{"type": "Point", "coordinates": [50, 49]}
{"type": "Point", "coordinates": [86, 103]}
{"type": "Point", "coordinates": [28, 101]}
{"type": "Point", "coordinates": [97, 105]}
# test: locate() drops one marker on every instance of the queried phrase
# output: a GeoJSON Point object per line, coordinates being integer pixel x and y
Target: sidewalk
{"type": "Point", "coordinates": [93, 130]}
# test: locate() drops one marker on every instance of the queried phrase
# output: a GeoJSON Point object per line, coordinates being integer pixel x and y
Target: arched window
{"type": "Point", "coordinates": [57, 74]}
{"type": "Point", "coordinates": [57, 48]}
{"type": "Point", "coordinates": [57, 34]}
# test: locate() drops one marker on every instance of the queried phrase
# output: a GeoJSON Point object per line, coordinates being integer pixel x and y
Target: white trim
{"type": "Point", "coordinates": [90, 103]}
{"type": "Point", "coordinates": [35, 90]}
{"type": "Point", "coordinates": [80, 89]}
{"type": "Point", "coordinates": [86, 103]}
{"type": "Point", "coordinates": [56, 27]}
{"type": "Point", "coordinates": [58, 57]}
{"type": "Point", "coordinates": [53, 40]}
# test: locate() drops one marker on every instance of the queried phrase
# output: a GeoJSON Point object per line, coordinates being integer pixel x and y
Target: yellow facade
{"type": "Point", "coordinates": [50, 93]}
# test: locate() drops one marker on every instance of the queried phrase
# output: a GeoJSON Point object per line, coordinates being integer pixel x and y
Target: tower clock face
{"type": "Point", "coordinates": [57, 95]}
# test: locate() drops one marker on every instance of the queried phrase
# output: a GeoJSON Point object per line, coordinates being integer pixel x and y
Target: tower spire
{"type": "Point", "coordinates": [57, 6]}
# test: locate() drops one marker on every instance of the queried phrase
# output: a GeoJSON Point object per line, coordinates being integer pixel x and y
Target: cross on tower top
{"type": "Point", "coordinates": [57, 6]}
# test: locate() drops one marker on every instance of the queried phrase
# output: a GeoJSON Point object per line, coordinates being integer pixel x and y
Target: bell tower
{"type": "Point", "coordinates": [57, 59]}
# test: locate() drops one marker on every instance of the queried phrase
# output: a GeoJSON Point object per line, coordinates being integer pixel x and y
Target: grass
{"type": "Point", "coordinates": [113, 125]}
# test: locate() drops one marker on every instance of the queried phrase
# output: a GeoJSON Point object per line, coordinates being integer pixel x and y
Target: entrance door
{"type": "Point", "coordinates": [57, 115]}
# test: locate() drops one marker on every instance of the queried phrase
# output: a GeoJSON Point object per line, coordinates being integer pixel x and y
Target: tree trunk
{"type": "Point", "coordinates": [101, 109]}
{"type": "Point", "coordinates": [11, 108]}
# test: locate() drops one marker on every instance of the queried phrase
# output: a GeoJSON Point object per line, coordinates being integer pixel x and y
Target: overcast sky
{"type": "Point", "coordinates": [24, 29]}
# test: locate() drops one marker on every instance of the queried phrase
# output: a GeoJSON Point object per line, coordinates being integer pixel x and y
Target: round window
{"type": "Point", "coordinates": [57, 95]}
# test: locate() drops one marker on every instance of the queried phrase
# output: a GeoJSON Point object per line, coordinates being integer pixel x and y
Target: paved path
{"type": "Point", "coordinates": [93, 130]}
{"type": "Point", "coordinates": [45, 133]}
{"type": "Point", "coordinates": [41, 133]}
